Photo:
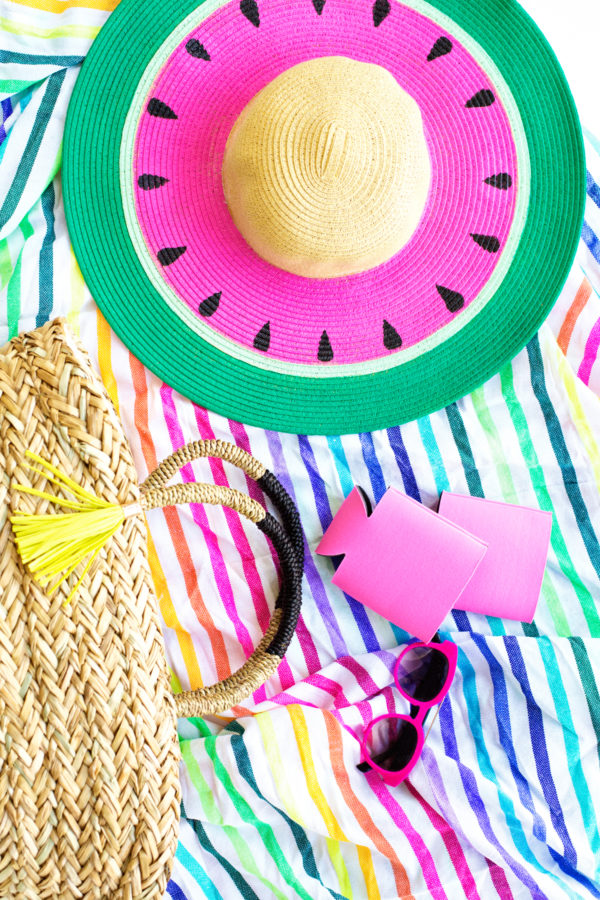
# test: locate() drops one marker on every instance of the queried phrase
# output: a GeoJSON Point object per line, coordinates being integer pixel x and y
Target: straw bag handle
{"type": "Point", "coordinates": [286, 538]}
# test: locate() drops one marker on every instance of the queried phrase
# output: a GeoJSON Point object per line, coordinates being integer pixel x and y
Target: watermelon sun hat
{"type": "Point", "coordinates": [323, 216]}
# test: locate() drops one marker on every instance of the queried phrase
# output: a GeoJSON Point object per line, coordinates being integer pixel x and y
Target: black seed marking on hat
{"type": "Point", "coordinates": [168, 255]}
{"type": "Point", "coordinates": [381, 9]}
{"type": "Point", "coordinates": [481, 98]}
{"type": "Point", "coordinates": [453, 300]}
{"type": "Point", "coordinates": [249, 9]}
{"type": "Point", "coordinates": [157, 108]}
{"type": "Point", "coordinates": [442, 46]}
{"type": "Point", "coordinates": [325, 353]}
{"type": "Point", "coordinates": [149, 182]}
{"type": "Point", "coordinates": [487, 241]}
{"type": "Point", "coordinates": [391, 338]}
{"type": "Point", "coordinates": [210, 305]}
{"type": "Point", "coordinates": [195, 48]}
{"type": "Point", "coordinates": [502, 181]}
{"type": "Point", "coordinates": [318, 5]}
{"type": "Point", "coordinates": [262, 340]}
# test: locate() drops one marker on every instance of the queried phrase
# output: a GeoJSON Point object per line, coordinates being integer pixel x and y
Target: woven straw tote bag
{"type": "Point", "coordinates": [89, 790]}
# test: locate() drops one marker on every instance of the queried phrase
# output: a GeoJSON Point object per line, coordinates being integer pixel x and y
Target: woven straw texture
{"type": "Point", "coordinates": [89, 794]}
{"type": "Point", "coordinates": [326, 170]}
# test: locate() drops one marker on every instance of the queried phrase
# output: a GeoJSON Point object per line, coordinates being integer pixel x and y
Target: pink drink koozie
{"type": "Point", "coordinates": [509, 579]}
{"type": "Point", "coordinates": [403, 560]}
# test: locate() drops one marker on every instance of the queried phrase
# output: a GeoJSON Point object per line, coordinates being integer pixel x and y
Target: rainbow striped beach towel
{"type": "Point", "coordinates": [505, 801]}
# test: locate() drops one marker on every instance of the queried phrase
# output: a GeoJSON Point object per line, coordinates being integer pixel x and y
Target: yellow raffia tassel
{"type": "Point", "coordinates": [54, 545]}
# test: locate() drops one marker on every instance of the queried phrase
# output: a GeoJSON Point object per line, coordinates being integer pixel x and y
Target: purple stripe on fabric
{"type": "Point", "coordinates": [402, 459]}
{"type": "Point", "coordinates": [429, 762]}
{"type": "Point", "coordinates": [590, 354]}
{"type": "Point", "coordinates": [453, 846]}
{"type": "Point", "coordinates": [240, 540]}
{"type": "Point", "coordinates": [200, 518]}
{"type": "Point", "coordinates": [313, 578]}
{"type": "Point", "coordinates": [7, 109]}
{"type": "Point", "coordinates": [325, 516]}
{"type": "Point", "coordinates": [476, 803]}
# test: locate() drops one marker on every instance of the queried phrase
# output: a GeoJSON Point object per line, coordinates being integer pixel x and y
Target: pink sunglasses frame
{"type": "Point", "coordinates": [450, 651]}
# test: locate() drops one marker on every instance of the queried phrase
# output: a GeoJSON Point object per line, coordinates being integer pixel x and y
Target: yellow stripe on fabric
{"type": "Point", "coordinates": [165, 602]}
{"type": "Point", "coordinates": [570, 383]}
{"type": "Point", "coordinates": [277, 768]}
{"type": "Point", "coordinates": [70, 31]}
{"type": "Point", "coordinates": [60, 6]}
{"type": "Point", "coordinates": [298, 720]}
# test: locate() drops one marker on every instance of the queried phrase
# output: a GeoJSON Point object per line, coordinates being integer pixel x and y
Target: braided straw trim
{"type": "Point", "coordinates": [198, 449]}
{"type": "Point", "coordinates": [198, 492]}
{"type": "Point", "coordinates": [236, 687]}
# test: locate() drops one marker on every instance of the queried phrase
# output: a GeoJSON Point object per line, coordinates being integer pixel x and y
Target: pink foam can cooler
{"type": "Point", "coordinates": [403, 560]}
{"type": "Point", "coordinates": [509, 579]}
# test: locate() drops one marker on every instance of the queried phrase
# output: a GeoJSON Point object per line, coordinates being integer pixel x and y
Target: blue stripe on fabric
{"type": "Point", "coordinates": [341, 463]}
{"type": "Point", "coordinates": [475, 801]}
{"type": "Point", "coordinates": [433, 452]}
{"type": "Point", "coordinates": [34, 141]}
{"type": "Point", "coordinates": [31, 59]}
{"type": "Point", "coordinates": [567, 469]}
{"type": "Point", "coordinates": [198, 874]}
{"type": "Point", "coordinates": [591, 241]}
{"type": "Point", "coordinates": [174, 891]}
{"type": "Point", "coordinates": [505, 736]}
{"type": "Point", "coordinates": [46, 265]}
{"type": "Point", "coordinates": [406, 470]}
{"type": "Point", "coordinates": [7, 109]}
{"type": "Point", "coordinates": [325, 516]}
{"type": "Point", "coordinates": [472, 703]}
{"type": "Point", "coordinates": [542, 760]}
{"type": "Point", "coordinates": [373, 465]}
{"type": "Point", "coordinates": [593, 190]}
{"type": "Point", "coordinates": [240, 882]}
{"type": "Point", "coordinates": [244, 765]}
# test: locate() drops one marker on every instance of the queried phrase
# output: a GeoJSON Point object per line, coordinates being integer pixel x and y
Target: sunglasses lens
{"type": "Point", "coordinates": [422, 673]}
{"type": "Point", "coordinates": [391, 743]}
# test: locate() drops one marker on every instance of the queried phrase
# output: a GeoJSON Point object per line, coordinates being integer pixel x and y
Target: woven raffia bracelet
{"type": "Point", "coordinates": [89, 757]}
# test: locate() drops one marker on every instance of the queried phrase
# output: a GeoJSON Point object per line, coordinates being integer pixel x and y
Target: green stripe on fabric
{"type": "Point", "coordinates": [588, 681]}
{"type": "Point", "coordinates": [246, 813]}
{"type": "Point", "coordinates": [30, 152]}
{"type": "Point", "coordinates": [33, 59]}
{"type": "Point", "coordinates": [13, 301]}
{"type": "Point", "coordinates": [563, 457]}
{"type": "Point", "coordinates": [545, 502]}
{"type": "Point", "coordinates": [6, 266]}
{"type": "Point", "coordinates": [461, 439]}
{"type": "Point", "coordinates": [509, 494]}
{"type": "Point", "coordinates": [570, 731]}
{"type": "Point", "coordinates": [14, 85]}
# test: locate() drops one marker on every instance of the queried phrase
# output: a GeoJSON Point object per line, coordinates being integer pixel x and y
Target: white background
{"type": "Point", "coordinates": [572, 27]}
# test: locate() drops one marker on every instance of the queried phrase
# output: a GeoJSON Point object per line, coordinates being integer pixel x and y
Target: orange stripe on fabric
{"type": "Point", "coordinates": [581, 298]}
{"type": "Point", "coordinates": [160, 584]}
{"type": "Point", "coordinates": [363, 817]}
{"type": "Point", "coordinates": [178, 537]}
{"type": "Point", "coordinates": [60, 6]}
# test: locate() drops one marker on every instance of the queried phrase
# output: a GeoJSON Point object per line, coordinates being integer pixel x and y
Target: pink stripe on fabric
{"type": "Point", "coordinates": [498, 876]}
{"type": "Point", "coordinates": [590, 354]}
{"type": "Point", "coordinates": [419, 847]}
{"type": "Point", "coordinates": [200, 517]}
{"type": "Point", "coordinates": [453, 846]}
